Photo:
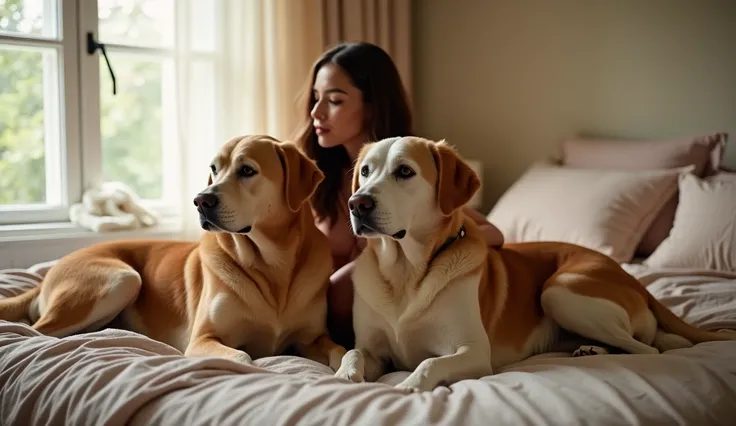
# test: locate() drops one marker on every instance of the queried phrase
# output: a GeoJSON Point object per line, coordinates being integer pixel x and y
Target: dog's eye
{"type": "Point", "coordinates": [212, 167]}
{"type": "Point", "coordinates": [404, 172]}
{"type": "Point", "coordinates": [364, 171]}
{"type": "Point", "coordinates": [246, 171]}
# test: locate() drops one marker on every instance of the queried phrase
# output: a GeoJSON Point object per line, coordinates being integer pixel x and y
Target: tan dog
{"type": "Point", "coordinates": [432, 298]}
{"type": "Point", "coordinates": [256, 282]}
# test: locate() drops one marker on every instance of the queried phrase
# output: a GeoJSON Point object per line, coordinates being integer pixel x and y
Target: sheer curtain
{"type": "Point", "coordinates": [264, 54]}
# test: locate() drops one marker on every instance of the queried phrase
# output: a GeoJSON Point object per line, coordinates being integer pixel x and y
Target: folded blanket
{"type": "Point", "coordinates": [111, 206]}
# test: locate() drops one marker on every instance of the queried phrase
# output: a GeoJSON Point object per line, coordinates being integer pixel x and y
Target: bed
{"type": "Point", "coordinates": [116, 377]}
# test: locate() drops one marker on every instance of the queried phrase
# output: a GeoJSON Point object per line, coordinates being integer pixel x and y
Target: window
{"type": "Point", "coordinates": [62, 129]}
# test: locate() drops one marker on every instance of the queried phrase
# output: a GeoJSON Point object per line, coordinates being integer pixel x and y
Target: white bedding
{"type": "Point", "coordinates": [116, 377]}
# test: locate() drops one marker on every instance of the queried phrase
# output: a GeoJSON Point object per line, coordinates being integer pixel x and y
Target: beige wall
{"type": "Point", "coordinates": [505, 80]}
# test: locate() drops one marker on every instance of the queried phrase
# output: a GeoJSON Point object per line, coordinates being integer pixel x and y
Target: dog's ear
{"type": "Point", "coordinates": [301, 175]}
{"type": "Point", "coordinates": [456, 181]}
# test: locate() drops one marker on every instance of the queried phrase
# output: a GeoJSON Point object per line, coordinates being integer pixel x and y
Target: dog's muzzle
{"type": "Point", "coordinates": [206, 203]}
{"type": "Point", "coordinates": [361, 205]}
{"type": "Point", "coordinates": [361, 208]}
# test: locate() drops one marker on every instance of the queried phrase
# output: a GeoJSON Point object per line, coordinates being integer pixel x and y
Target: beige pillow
{"type": "Point", "coordinates": [605, 210]}
{"type": "Point", "coordinates": [704, 152]}
{"type": "Point", "coordinates": [704, 232]}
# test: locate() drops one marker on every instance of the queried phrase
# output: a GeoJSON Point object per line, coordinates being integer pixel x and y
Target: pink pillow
{"type": "Point", "coordinates": [704, 153]}
{"type": "Point", "coordinates": [604, 210]}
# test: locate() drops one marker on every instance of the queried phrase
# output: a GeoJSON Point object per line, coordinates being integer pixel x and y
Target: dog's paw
{"type": "Point", "coordinates": [407, 388]}
{"type": "Point", "coordinates": [587, 350]}
{"type": "Point", "coordinates": [244, 358]}
{"type": "Point", "coordinates": [350, 373]}
{"type": "Point", "coordinates": [413, 384]}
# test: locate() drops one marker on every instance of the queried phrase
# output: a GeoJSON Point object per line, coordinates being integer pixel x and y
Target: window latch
{"type": "Point", "coordinates": [92, 46]}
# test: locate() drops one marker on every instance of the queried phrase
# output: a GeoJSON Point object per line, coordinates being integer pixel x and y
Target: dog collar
{"type": "Point", "coordinates": [459, 236]}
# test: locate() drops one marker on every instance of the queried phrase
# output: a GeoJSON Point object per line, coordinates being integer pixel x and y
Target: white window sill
{"type": "Point", "coordinates": [22, 246]}
{"type": "Point", "coordinates": [66, 230]}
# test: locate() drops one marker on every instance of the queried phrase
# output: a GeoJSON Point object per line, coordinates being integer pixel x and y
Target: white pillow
{"type": "Point", "coordinates": [704, 232]}
{"type": "Point", "coordinates": [604, 210]}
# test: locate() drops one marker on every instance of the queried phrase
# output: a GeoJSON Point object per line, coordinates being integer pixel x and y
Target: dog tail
{"type": "Point", "coordinates": [17, 307]}
{"type": "Point", "coordinates": [671, 323]}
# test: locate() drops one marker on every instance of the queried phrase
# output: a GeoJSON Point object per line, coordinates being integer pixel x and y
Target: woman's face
{"type": "Point", "coordinates": [337, 114]}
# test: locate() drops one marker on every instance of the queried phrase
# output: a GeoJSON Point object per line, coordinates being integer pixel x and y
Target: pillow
{"type": "Point", "coordinates": [704, 233]}
{"type": "Point", "coordinates": [704, 152]}
{"type": "Point", "coordinates": [604, 210]}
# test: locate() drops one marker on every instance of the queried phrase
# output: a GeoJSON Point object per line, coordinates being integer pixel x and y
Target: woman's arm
{"type": "Point", "coordinates": [492, 235]}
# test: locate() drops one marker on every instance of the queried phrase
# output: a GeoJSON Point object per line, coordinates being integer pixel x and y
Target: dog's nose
{"type": "Point", "coordinates": [361, 205]}
{"type": "Point", "coordinates": [206, 200]}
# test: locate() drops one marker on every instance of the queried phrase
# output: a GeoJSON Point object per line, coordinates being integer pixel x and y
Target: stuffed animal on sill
{"type": "Point", "coordinates": [111, 206]}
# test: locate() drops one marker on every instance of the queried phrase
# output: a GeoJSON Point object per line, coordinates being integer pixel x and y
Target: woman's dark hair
{"type": "Point", "coordinates": [374, 73]}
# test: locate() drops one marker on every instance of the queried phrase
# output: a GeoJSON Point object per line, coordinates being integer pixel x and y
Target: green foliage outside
{"type": "Point", "coordinates": [130, 121]}
{"type": "Point", "coordinates": [131, 124]}
{"type": "Point", "coordinates": [22, 161]}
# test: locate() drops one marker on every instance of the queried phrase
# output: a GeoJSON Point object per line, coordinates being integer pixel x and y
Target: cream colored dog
{"type": "Point", "coordinates": [432, 298]}
{"type": "Point", "coordinates": [254, 286]}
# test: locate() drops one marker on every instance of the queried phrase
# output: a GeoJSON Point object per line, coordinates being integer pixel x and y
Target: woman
{"type": "Point", "coordinates": [355, 95]}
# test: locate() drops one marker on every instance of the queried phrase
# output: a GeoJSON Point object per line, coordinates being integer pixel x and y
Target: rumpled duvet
{"type": "Point", "coordinates": [115, 377]}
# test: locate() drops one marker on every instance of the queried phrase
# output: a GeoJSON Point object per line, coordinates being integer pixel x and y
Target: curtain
{"type": "Point", "coordinates": [386, 23]}
{"type": "Point", "coordinates": [265, 52]}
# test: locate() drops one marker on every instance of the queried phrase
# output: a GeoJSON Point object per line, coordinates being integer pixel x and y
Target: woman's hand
{"type": "Point", "coordinates": [492, 235]}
